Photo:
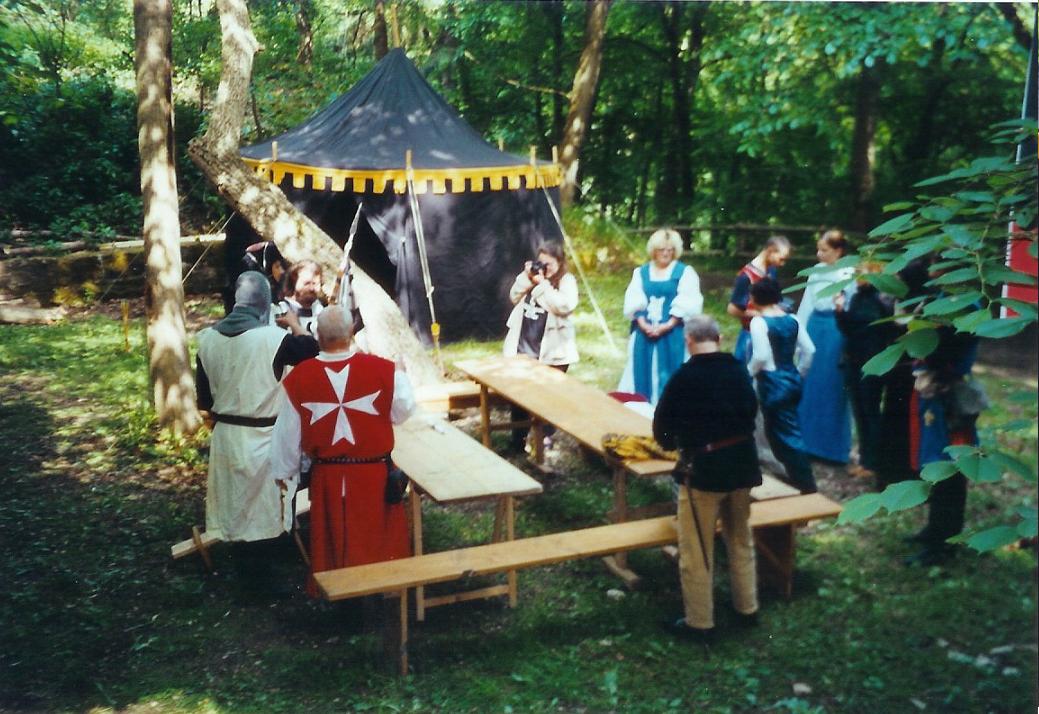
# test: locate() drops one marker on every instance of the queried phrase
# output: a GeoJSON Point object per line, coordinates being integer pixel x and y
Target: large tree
{"type": "Point", "coordinates": [169, 367]}
{"type": "Point", "coordinates": [582, 97]}
{"type": "Point", "coordinates": [271, 214]}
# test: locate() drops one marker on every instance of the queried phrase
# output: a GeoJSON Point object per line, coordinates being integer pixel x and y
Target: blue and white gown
{"type": "Point", "coordinates": [824, 412]}
{"type": "Point", "coordinates": [658, 295]}
{"type": "Point", "coordinates": [774, 341]}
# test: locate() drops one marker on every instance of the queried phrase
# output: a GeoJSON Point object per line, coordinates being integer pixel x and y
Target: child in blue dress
{"type": "Point", "coordinates": [776, 339]}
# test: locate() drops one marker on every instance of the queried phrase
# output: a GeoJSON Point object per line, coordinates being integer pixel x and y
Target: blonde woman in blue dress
{"type": "Point", "coordinates": [825, 412]}
{"type": "Point", "coordinates": [662, 293]}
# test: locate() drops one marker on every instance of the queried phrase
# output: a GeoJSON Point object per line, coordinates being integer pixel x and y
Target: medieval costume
{"type": "Point", "coordinates": [707, 410]}
{"type": "Point", "coordinates": [748, 275]}
{"type": "Point", "coordinates": [773, 343]}
{"type": "Point", "coordinates": [340, 411]}
{"type": "Point", "coordinates": [823, 412]}
{"type": "Point", "coordinates": [656, 296]}
{"type": "Point", "coordinates": [240, 361]}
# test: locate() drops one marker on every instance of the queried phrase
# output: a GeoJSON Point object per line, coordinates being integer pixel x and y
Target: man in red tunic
{"type": "Point", "coordinates": [340, 412]}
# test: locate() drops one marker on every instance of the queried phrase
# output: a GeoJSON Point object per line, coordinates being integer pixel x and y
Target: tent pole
{"type": "Point", "coordinates": [427, 279]}
{"type": "Point", "coordinates": [575, 259]}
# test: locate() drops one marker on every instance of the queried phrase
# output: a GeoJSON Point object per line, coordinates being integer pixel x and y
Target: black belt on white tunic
{"type": "Point", "coordinates": [243, 420]}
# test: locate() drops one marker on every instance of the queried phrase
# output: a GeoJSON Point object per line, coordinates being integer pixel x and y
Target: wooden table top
{"type": "Point", "coordinates": [581, 410]}
{"type": "Point", "coordinates": [450, 465]}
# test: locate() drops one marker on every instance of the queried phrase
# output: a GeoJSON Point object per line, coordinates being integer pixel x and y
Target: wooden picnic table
{"type": "Point", "coordinates": [587, 414]}
{"type": "Point", "coordinates": [448, 466]}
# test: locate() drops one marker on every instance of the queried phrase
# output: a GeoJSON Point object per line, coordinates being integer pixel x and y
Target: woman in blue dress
{"type": "Point", "coordinates": [824, 412]}
{"type": "Point", "coordinates": [775, 337]}
{"type": "Point", "coordinates": [662, 293]}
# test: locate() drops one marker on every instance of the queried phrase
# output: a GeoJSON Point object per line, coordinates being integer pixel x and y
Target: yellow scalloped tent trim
{"type": "Point", "coordinates": [426, 180]}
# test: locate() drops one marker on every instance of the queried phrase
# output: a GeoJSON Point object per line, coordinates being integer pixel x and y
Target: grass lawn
{"type": "Point", "coordinates": [95, 616]}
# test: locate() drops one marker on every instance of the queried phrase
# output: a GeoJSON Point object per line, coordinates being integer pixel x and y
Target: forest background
{"type": "Point", "coordinates": [705, 113]}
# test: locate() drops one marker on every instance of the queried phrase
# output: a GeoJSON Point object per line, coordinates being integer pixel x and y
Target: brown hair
{"type": "Point", "coordinates": [834, 237]}
{"type": "Point", "coordinates": [555, 249]}
{"type": "Point", "coordinates": [298, 268]}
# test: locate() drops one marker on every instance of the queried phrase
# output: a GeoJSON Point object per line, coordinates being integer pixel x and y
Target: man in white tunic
{"type": "Point", "coordinates": [239, 367]}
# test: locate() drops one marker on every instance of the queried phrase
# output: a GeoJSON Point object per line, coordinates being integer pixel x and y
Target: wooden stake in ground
{"type": "Point", "coordinates": [169, 367]}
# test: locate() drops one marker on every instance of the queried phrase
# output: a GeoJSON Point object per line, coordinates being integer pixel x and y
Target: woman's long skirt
{"type": "Point", "coordinates": [824, 412]}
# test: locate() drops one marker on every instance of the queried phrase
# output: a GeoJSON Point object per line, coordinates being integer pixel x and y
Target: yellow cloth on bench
{"type": "Point", "coordinates": [627, 447]}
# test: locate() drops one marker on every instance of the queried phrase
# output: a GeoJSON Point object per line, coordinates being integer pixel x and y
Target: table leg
{"type": "Point", "coordinates": [416, 536]}
{"type": "Point", "coordinates": [537, 433]}
{"type": "Point", "coordinates": [499, 519]}
{"type": "Point", "coordinates": [618, 562]}
{"type": "Point", "coordinates": [404, 633]}
{"type": "Point", "coordinates": [775, 550]}
{"type": "Point", "coordinates": [485, 415]}
{"type": "Point", "coordinates": [510, 534]}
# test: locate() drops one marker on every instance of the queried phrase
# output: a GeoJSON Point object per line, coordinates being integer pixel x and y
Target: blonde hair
{"type": "Point", "coordinates": [664, 238]}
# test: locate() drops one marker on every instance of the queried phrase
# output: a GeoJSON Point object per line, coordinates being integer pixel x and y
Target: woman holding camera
{"type": "Point", "coordinates": [544, 295]}
{"type": "Point", "coordinates": [662, 293]}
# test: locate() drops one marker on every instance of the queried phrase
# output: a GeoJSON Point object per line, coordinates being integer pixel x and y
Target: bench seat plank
{"type": "Point", "coordinates": [395, 575]}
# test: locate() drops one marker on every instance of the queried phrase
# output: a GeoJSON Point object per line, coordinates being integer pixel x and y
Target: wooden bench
{"type": "Point", "coordinates": [448, 397]}
{"type": "Point", "coordinates": [773, 522]}
{"type": "Point", "coordinates": [587, 414]}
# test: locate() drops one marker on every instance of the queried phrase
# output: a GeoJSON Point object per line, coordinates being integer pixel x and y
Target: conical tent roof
{"type": "Point", "coordinates": [366, 133]}
{"type": "Point", "coordinates": [483, 211]}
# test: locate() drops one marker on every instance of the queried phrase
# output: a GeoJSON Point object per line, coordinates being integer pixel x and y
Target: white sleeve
{"type": "Point", "coordinates": [285, 449]}
{"type": "Point", "coordinates": [689, 300]}
{"type": "Point", "coordinates": [403, 398]}
{"type": "Point", "coordinates": [634, 296]}
{"type": "Point", "coordinates": [560, 301]}
{"type": "Point", "coordinates": [806, 351]}
{"type": "Point", "coordinates": [761, 349]}
{"type": "Point", "coordinates": [804, 310]}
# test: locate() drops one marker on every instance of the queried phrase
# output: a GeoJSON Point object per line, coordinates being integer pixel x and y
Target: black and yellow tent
{"type": "Point", "coordinates": [482, 211]}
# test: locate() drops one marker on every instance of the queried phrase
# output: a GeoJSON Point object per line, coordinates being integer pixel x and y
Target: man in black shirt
{"type": "Point", "coordinates": [707, 411]}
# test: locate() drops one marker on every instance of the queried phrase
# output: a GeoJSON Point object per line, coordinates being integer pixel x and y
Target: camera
{"type": "Point", "coordinates": [537, 267]}
{"type": "Point", "coordinates": [279, 309]}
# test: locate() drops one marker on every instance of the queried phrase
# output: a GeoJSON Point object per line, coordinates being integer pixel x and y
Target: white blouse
{"type": "Point", "coordinates": [688, 301]}
{"type": "Point", "coordinates": [816, 283]}
{"type": "Point", "coordinates": [762, 358]}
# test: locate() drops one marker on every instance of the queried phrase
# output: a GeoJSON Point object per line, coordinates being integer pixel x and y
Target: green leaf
{"type": "Point", "coordinates": [961, 275]}
{"type": "Point", "coordinates": [1009, 463]}
{"type": "Point", "coordinates": [883, 361]}
{"type": "Point", "coordinates": [920, 343]}
{"type": "Point", "coordinates": [952, 303]}
{"type": "Point", "coordinates": [1001, 274]}
{"type": "Point", "coordinates": [1023, 309]}
{"type": "Point", "coordinates": [993, 538]}
{"type": "Point", "coordinates": [892, 226]}
{"type": "Point", "coordinates": [979, 468]}
{"type": "Point", "coordinates": [971, 321]}
{"type": "Point", "coordinates": [1003, 327]}
{"type": "Point", "coordinates": [962, 235]}
{"type": "Point", "coordinates": [958, 173]}
{"type": "Point", "coordinates": [898, 206]}
{"type": "Point", "coordinates": [794, 288]}
{"type": "Point", "coordinates": [905, 494]}
{"type": "Point", "coordinates": [860, 508]}
{"type": "Point", "coordinates": [834, 288]}
{"type": "Point", "coordinates": [938, 214]}
{"type": "Point", "coordinates": [889, 284]}
{"type": "Point", "coordinates": [1028, 527]}
{"type": "Point", "coordinates": [938, 471]}
{"type": "Point", "coordinates": [975, 196]}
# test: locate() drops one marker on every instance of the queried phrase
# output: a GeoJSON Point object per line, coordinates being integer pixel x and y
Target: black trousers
{"type": "Point", "coordinates": [519, 436]}
{"type": "Point", "coordinates": [946, 508]}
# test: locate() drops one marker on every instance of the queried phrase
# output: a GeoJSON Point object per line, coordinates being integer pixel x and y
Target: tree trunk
{"type": "Point", "coordinates": [305, 54]}
{"type": "Point", "coordinates": [863, 149]}
{"type": "Point", "coordinates": [271, 214]}
{"type": "Point", "coordinates": [380, 39]}
{"type": "Point", "coordinates": [169, 366]}
{"type": "Point", "coordinates": [553, 10]}
{"type": "Point", "coordinates": [582, 97]}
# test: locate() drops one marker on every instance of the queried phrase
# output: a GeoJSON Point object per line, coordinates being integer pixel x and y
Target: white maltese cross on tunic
{"type": "Point", "coordinates": [319, 410]}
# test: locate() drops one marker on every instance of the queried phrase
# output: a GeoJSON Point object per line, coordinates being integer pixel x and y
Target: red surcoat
{"type": "Point", "coordinates": [344, 411]}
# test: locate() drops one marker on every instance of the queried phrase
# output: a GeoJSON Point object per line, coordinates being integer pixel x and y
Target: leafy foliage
{"type": "Point", "coordinates": [964, 230]}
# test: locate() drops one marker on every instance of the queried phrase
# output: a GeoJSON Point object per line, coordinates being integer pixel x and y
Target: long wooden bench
{"type": "Point", "coordinates": [773, 522]}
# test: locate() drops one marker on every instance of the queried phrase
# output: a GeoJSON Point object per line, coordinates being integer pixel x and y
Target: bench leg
{"type": "Point", "coordinates": [404, 633]}
{"type": "Point", "coordinates": [537, 433]}
{"type": "Point", "coordinates": [196, 536]}
{"type": "Point", "coordinates": [415, 503]}
{"type": "Point", "coordinates": [775, 547]}
{"type": "Point", "coordinates": [499, 520]}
